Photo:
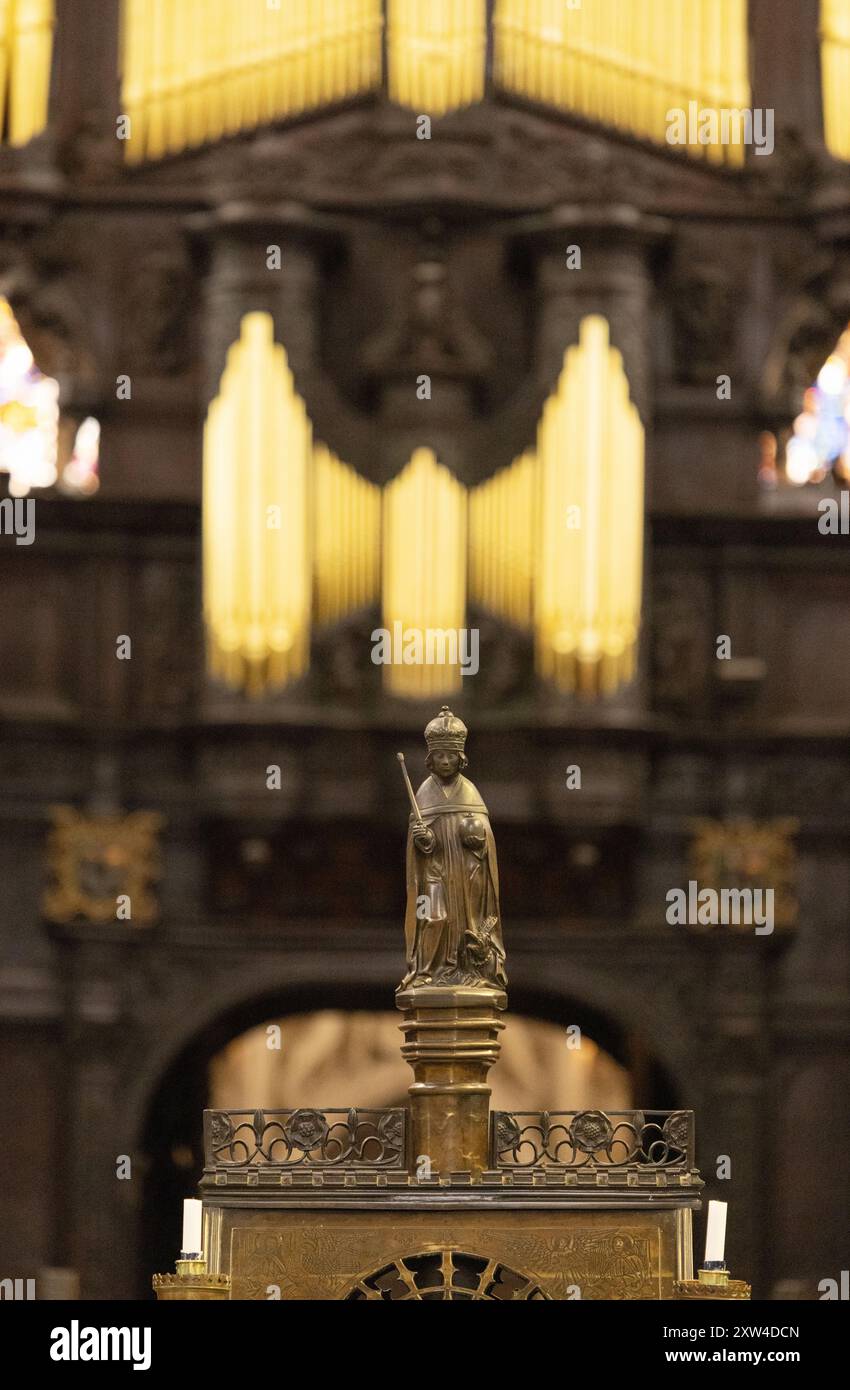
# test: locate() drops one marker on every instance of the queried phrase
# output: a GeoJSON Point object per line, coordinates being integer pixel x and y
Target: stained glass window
{"type": "Point", "coordinates": [820, 438]}
{"type": "Point", "coordinates": [30, 449]}
{"type": "Point", "coordinates": [29, 412]}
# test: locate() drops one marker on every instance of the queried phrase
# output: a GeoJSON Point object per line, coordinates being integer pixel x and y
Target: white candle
{"type": "Point", "coordinates": [193, 1211]}
{"type": "Point", "coordinates": [715, 1232]}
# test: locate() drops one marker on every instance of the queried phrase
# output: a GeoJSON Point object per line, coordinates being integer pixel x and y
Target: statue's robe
{"type": "Point", "coordinates": [460, 886]}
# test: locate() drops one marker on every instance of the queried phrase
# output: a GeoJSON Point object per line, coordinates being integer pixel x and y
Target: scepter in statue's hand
{"type": "Point", "coordinates": [417, 814]}
{"type": "Point", "coordinates": [422, 836]}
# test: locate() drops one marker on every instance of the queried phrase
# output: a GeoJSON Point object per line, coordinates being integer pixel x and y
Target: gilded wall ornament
{"type": "Point", "coordinates": [745, 854]}
{"type": "Point", "coordinates": [102, 868]}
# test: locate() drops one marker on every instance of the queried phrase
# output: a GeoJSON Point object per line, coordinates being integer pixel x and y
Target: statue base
{"type": "Point", "coordinates": [451, 1041]}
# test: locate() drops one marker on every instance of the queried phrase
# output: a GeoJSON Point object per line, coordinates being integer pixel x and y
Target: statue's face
{"type": "Point", "coordinates": [445, 763]}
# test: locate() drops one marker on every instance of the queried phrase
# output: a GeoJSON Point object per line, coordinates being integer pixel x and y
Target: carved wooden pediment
{"type": "Point", "coordinates": [493, 156]}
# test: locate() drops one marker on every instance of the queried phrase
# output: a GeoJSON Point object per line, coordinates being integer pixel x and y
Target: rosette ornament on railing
{"type": "Point", "coordinates": [304, 1138]}
{"type": "Point", "coordinates": [642, 1139]}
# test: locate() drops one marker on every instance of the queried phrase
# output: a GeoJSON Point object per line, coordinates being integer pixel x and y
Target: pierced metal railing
{"type": "Point", "coordinates": [304, 1138]}
{"type": "Point", "coordinates": [574, 1139]}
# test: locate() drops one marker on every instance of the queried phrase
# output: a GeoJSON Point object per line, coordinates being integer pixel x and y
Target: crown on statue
{"type": "Point", "coordinates": [446, 731]}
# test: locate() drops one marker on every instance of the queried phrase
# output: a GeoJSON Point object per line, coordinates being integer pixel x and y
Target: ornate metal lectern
{"type": "Point", "coordinates": [445, 1199]}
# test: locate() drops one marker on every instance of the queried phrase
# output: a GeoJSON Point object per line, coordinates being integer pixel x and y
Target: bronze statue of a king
{"type": "Point", "coordinates": [453, 928]}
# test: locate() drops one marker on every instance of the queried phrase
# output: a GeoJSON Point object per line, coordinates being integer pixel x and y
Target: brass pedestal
{"type": "Point", "coordinates": [446, 1200]}
{"type": "Point", "coordinates": [451, 1042]}
{"type": "Point", "coordinates": [327, 1204]}
{"type": "Point", "coordinates": [446, 1244]}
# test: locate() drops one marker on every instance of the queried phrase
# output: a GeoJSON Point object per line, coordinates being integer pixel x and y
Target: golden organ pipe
{"type": "Point", "coordinates": [502, 538]}
{"type": "Point", "coordinates": [436, 53]}
{"type": "Point", "coordinates": [577, 586]}
{"type": "Point", "coordinates": [424, 568]}
{"type": "Point", "coordinates": [628, 62]}
{"type": "Point", "coordinates": [256, 516]}
{"type": "Point", "coordinates": [835, 75]}
{"type": "Point", "coordinates": [195, 70]}
{"type": "Point", "coordinates": [556, 539]}
{"type": "Point", "coordinates": [154, 115]}
{"type": "Point", "coordinates": [347, 537]}
{"type": "Point", "coordinates": [27, 38]}
{"type": "Point", "coordinates": [5, 49]}
{"type": "Point", "coordinates": [371, 556]}
{"type": "Point", "coordinates": [176, 70]}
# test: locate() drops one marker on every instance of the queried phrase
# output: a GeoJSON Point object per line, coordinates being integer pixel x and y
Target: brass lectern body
{"type": "Point", "coordinates": [444, 1198]}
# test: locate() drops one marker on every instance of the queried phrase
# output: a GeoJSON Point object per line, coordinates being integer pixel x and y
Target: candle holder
{"type": "Point", "coordinates": [712, 1282]}
{"type": "Point", "coordinates": [191, 1282]}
